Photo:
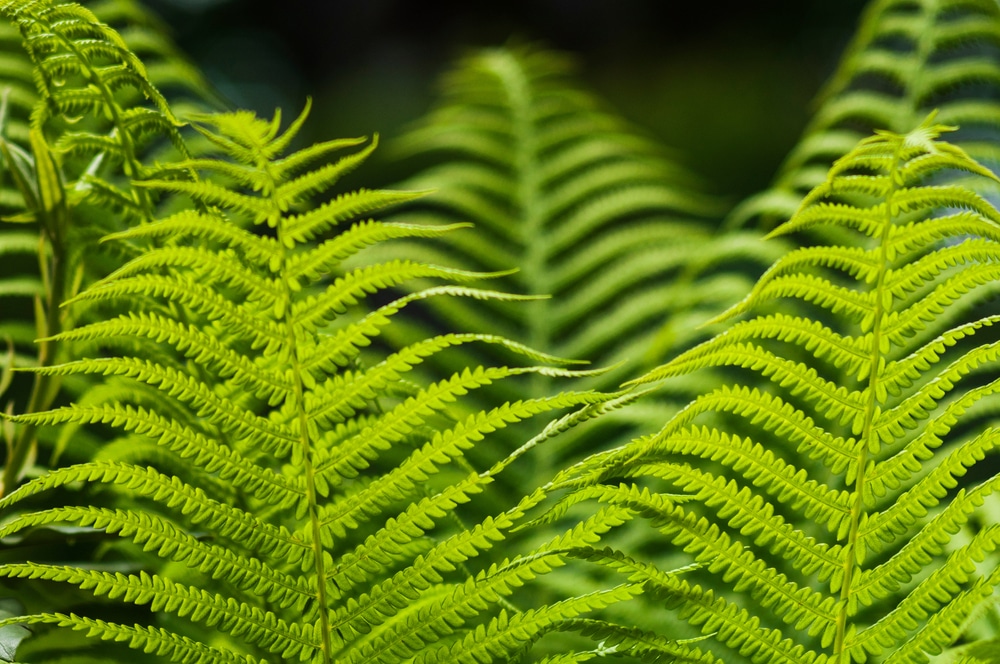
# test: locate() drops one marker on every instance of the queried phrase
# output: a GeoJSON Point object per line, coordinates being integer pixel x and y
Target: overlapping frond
{"type": "Point", "coordinates": [908, 57]}
{"type": "Point", "coordinates": [79, 116]}
{"type": "Point", "coordinates": [99, 106]}
{"type": "Point", "coordinates": [825, 507]}
{"type": "Point", "coordinates": [613, 235]}
{"type": "Point", "coordinates": [322, 502]}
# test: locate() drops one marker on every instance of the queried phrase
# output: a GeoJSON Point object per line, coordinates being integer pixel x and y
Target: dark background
{"type": "Point", "coordinates": [729, 85]}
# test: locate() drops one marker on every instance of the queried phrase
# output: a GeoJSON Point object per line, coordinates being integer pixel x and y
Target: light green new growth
{"type": "Point", "coordinates": [261, 384]}
{"type": "Point", "coordinates": [844, 469]}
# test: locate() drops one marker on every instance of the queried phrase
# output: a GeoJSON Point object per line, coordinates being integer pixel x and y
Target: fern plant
{"type": "Point", "coordinates": [906, 59]}
{"type": "Point", "coordinates": [561, 190]}
{"type": "Point", "coordinates": [273, 483]}
{"type": "Point", "coordinates": [304, 450]}
{"type": "Point", "coordinates": [593, 218]}
{"type": "Point", "coordinates": [96, 116]}
{"type": "Point", "coordinates": [853, 484]}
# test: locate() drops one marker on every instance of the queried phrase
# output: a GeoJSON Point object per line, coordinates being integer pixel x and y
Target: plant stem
{"type": "Point", "coordinates": [42, 390]}
{"type": "Point", "coordinates": [866, 444]}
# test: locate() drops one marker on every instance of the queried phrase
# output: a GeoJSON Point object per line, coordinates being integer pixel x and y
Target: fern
{"type": "Point", "coordinates": [854, 484]}
{"type": "Point", "coordinates": [292, 468]}
{"type": "Point", "coordinates": [609, 233]}
{"type": "Point", "coordinates": [274, 396]}
{"type": "Point", "coordinates": [593, 216]}
{"type": "Point", "coordinates": [91, 91]}
{"type": "Point", "coordinates": [907, 58]}
{"type": "Point", "coordinates": [42, 259]}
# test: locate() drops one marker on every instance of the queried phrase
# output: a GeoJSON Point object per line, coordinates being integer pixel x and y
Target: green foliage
{"type": "Point", "coordinates": [908, 58]}
{"type": "Point", "coordinates": [284, 427]}
{"type": "Point", "coordinates": [852, 483]}
{"type": "Point", "coordinates": [71, 147]}
{"type": "Point", "coordinates": [579, 202]}
{"type": "Point", "coordinates": [611, 234]}
{"type": "Point", "coordinates": [319, 532]}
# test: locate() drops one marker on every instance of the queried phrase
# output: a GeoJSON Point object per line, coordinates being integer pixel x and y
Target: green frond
{"type": "Point", "coordinates": [868, 428]}
{"type": "Point", "coordinates": [427, 568]}
{"type": "Point", "coordinates": [164, 595]}
{"type": "Point", "coordinates": [373, 559]}
{"type": "Point", "coordinates": [81, 116]}
{"type": "Point", "coordinates": [218, 195]}
{"type": "Point", "coordinates": [317, 519]}
{"type": "Point", "coordinates": [753, 517]}
{"type": "Point", "coordinates": [193, 343]}
{"type": "Point", "coordinates": [800, 606]}
{"type": "Point", "coordinates": [158, 534]}
{"type": "Point", "coordinates": [912, 557]}
{"type": "Point", "coordinates": [224, 520]}
{"type": "Point", "coordinates": [198, 297]}
{"type": "Point", "coordinates": [194, 224]}
{"type": "Point", "coordinates": [588, 208]}
{"type": "Point", "coordinates": [784, 482]}
{"type": "Point", "coordinates": [644, 645]}
{"type": "Point", "coordinates": [341, 348]}
{"type": "Point", "coordinates": [315, 311]}
{"type": "Point", "coordinates": [926, 598]}
{"type": "Point", "coordinates": [498, 581]}
{"type": "Point", "coordinates": [200, 396]}
{"type": "Point", "coordinates": [734, 626]}
{"type": "Point", "coordinates": [907, 461]}
{"type": "Point", "coordinates": [944, 625]}
{"type": "Point", "coordinates": [334, 251]}
{"type": "Point", "coordinates": [403, 482]}
{"type": "Point", "coordinates": [511, 632]}
{"type": "Point", "coordinates": [297, 432]}
{"type": "Point", "coordinates": [69, 43]}
{"type": "Point", "coordinates": [929, 491]}
{"type": "Point", "coordinates": [152, 640]}
{"type": "Point", "coordinates": [309, 225]}
{"type": "Point", "coordinates": [353, 454]}
{"type": "Point", "coordinates": [907, 59]}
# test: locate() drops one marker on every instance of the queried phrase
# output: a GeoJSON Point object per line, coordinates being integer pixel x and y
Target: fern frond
{"type": "Point", "coordinates": [80, 65]}
{"type": "Point", "coordinates": [185, 499]}
{"type": "Point", "coordinates": [870, 437]}
{"type": "Point", "coordinates": [906, 59]}
{"type": "Point", "coordinates": [82, 116]}
{"type": "Point", "coordinates": [605, 229]}
{"type": "Point", "coordinates": [591, 212]}
{"type": "Point", "coordinates": [164, 595]}
{"type": "Point", "coordinates": [152, 640]}
{"type": "Point", "coordinates": [323, 504]}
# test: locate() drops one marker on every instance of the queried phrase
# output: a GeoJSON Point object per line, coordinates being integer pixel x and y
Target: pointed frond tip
{"type": "Point", "coordinates": [900, 161]}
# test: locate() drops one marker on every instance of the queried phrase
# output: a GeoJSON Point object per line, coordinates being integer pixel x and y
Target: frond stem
{"type": "Point", "coordinates": [535, 271]}
{"type": "Point", "coordinates": [309, 471]}
{"type": "Point", "coordinates": [534, 265]}
{"type": "Point", "coordinates": [44, 386]}
{"type": "Point", "coordinates": [852, 556]}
